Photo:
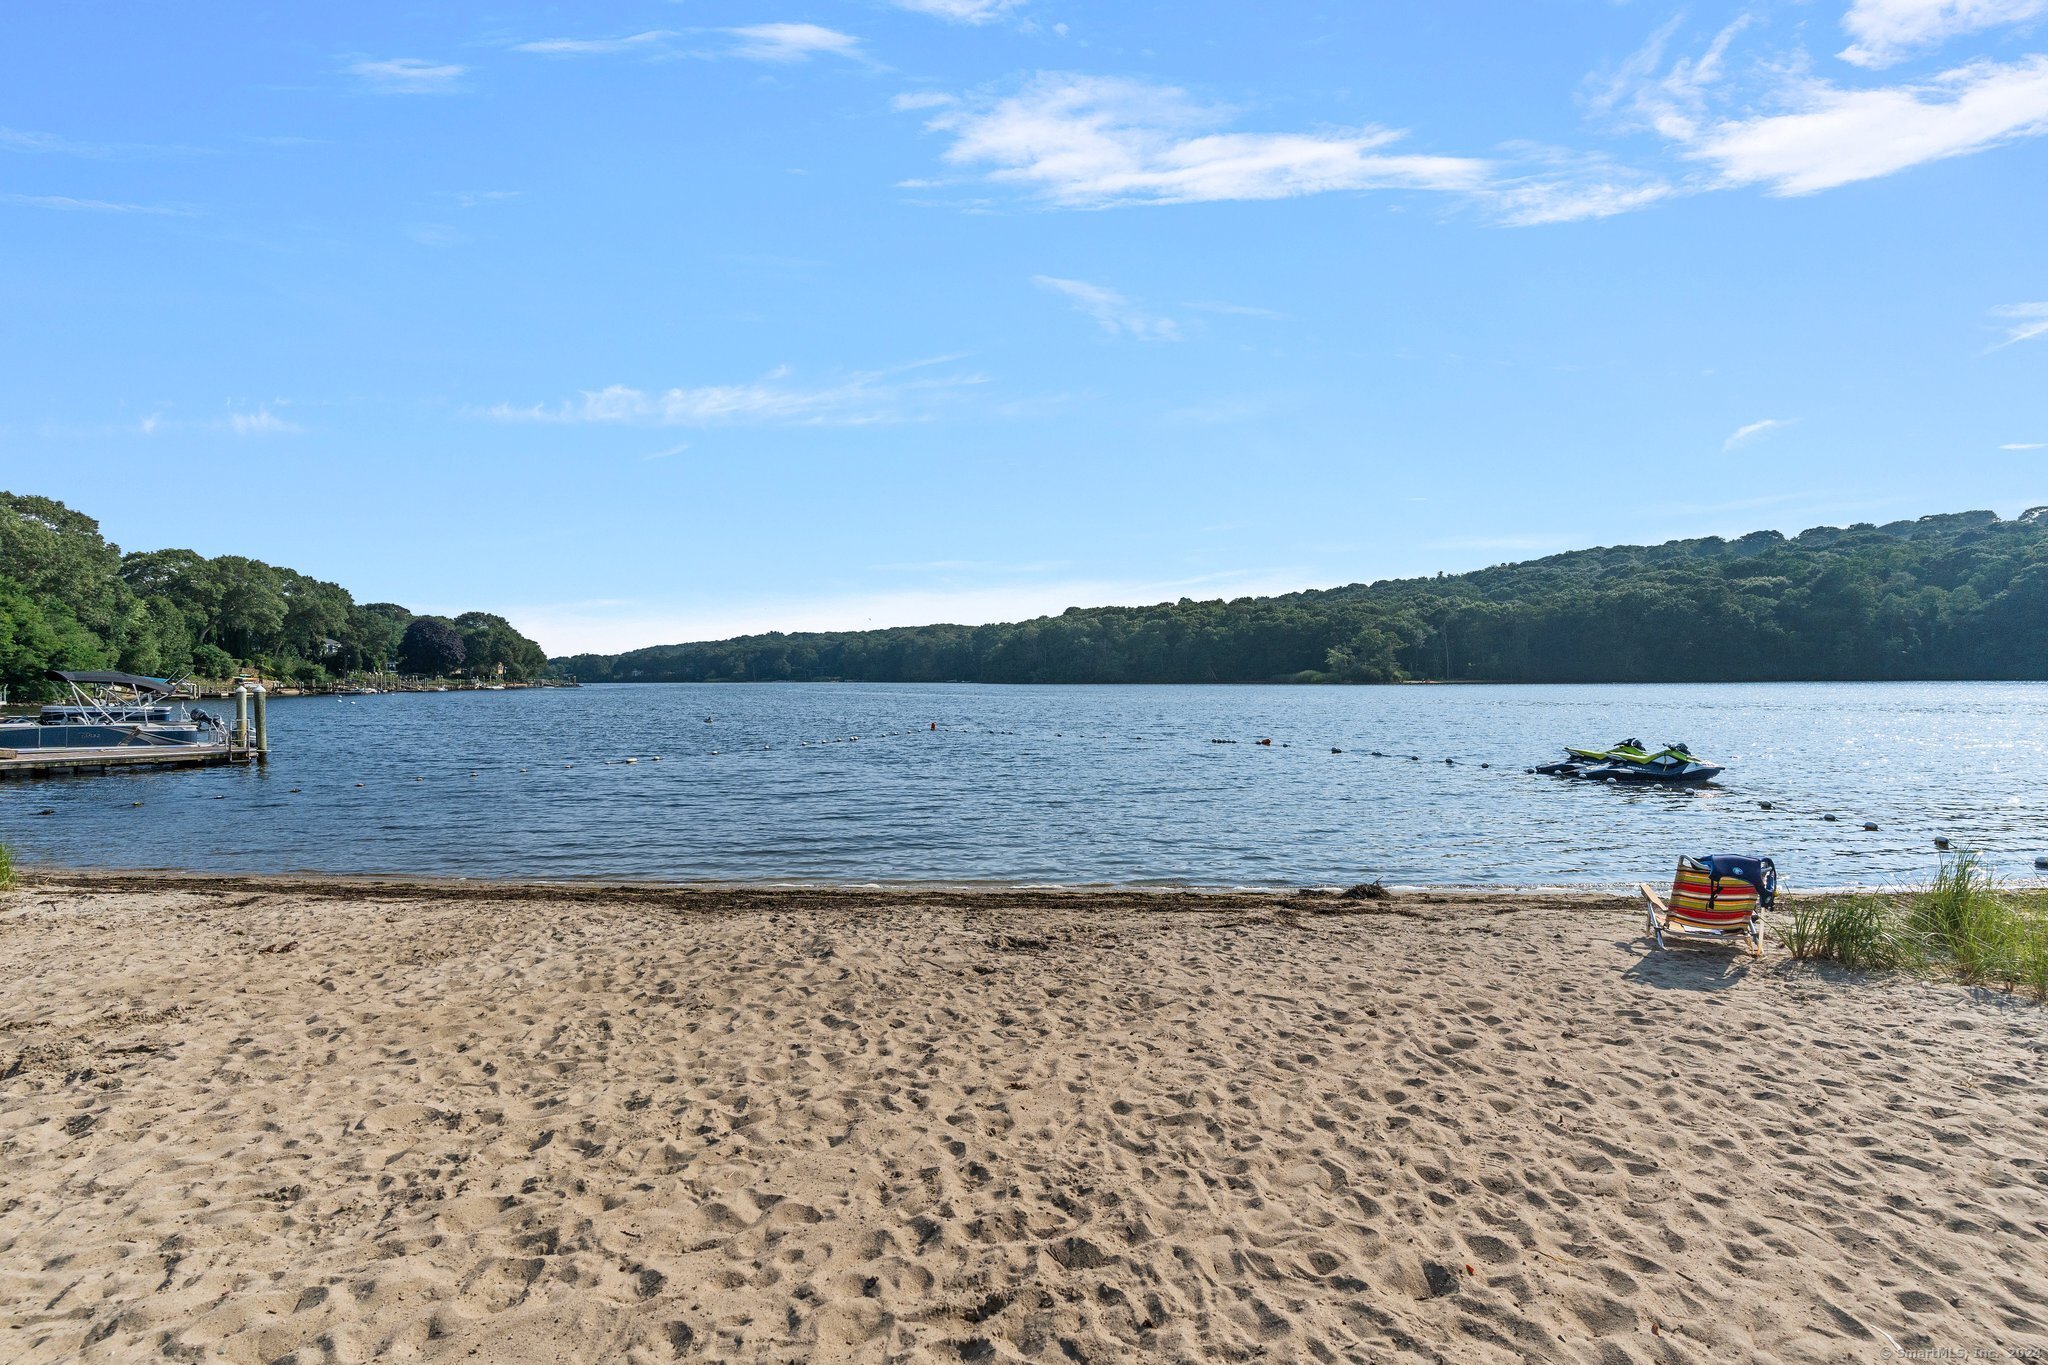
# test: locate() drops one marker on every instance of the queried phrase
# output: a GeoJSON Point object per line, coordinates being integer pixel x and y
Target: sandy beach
{"type": "Point", "coordinates": [256, 1120]}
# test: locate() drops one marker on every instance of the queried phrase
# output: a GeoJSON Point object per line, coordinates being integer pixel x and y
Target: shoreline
{"type": "Point", "coordinates": [1106, 894]}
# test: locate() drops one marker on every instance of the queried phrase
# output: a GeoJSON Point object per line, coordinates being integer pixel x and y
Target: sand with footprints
{"type": "Point", "coordinates": [306, 1121]}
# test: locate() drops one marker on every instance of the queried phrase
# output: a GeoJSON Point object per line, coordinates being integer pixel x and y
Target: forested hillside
{"type": "Point", "coordinates": [1963, 595]}
{"type": "Point", "coordinates": [68, 599]}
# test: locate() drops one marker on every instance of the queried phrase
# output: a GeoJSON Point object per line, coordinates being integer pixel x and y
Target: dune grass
{"type": "Point", "coordinates": [1964, 924]}
{"type": "Point", "coordinates": [6, 867]}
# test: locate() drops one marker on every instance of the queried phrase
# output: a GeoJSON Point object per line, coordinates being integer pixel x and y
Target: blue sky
{"type": "Point", "coordinates": [651, 322]}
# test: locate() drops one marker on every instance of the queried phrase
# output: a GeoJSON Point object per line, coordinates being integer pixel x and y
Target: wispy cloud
{"type": "Point", "coordinates": [753, 42]}
{"type": "Point", "coordinates": [2025, 445]}
{"type": "Point", "coordinates": [1671, 101]}
{"type": "Point", "coordinates": [1835, 136]}
{"type": "Point", "coordinates": [2022, 322]}
{"type": "Point", "coordinates": [65, 203]}
{"type": "Point", "coordinates": [262, 422]}
{"type": "Point", "coordinates": [961, 11]}
{"type": "Point", "coordinates": [408, 76]}
{"type": "Point", "coordinates": [1776, 125]}
{"type": "Point", "coordinates": [665, 454]}
{"type": "Point", "coordinates": [1088, 142]}
{"type": "Point", "coordinates": [55, 144]}
{"type": "Point", "coordinates": [1114, 313]}
{"type": "Point", "coordinates": [864, 398]}
{"type": "Point", "coordinates": [21, 140]}
{"type": "Point", "coordinates": [1885, 32]}
{"type": "Point", "coordinates": [584, 47]}
{"type": "Point", "coordinates": [1572, 189]}
{"type": "Point", "coordinates": [792, 42]}
{"type": "Point", "coordinates": [1744, 435]}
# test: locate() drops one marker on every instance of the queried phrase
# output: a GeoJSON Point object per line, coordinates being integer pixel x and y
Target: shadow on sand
{"type": "Point", "coordinates": [1686, 966]}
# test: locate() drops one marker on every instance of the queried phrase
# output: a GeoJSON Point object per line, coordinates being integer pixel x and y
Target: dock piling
{"type": "Point", "coordinates": [261, 695]}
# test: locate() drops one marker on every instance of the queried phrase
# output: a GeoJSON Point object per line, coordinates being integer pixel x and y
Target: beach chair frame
{"type": "Point", "coordinates": [1748, 934]}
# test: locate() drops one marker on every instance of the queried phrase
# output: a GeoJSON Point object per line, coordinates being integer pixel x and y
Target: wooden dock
{"type": "Point", "coordinates": [52, 762]}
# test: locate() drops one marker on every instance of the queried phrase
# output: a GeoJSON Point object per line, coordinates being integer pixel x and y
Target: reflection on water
{"type": "Point", "coordinates": [1079, 784]}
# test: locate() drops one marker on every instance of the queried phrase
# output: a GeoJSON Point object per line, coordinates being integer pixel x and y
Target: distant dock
{"type": "Point", "coordinates": [58, 762]}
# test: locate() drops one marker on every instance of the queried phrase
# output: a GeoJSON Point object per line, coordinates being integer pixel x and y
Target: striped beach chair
{"type": "Point", "coordinates": [1719, 898]}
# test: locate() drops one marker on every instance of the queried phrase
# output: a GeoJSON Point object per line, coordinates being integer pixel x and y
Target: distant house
{"type": "Point", "coordinates": [329, 647]}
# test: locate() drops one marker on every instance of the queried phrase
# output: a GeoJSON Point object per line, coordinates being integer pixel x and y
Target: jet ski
{"type": "Point", "coordinates": [1623, 751]}
{"type": "Point", "coordinates": [1628, 761]}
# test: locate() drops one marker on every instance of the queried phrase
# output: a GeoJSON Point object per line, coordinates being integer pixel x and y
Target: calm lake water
{"type": "Point", "coordinates": [1078, 785]}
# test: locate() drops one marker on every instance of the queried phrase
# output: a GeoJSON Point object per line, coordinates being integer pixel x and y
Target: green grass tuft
{"type": "Point", "coordinates": [1860, 932]}
{"type": "Point", "coordinates": [1963, 925]}
{"type": "Point", "coordinates": [6, 867]}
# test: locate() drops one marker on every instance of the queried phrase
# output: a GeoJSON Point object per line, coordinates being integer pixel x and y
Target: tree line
{"type": "Point", "coordinates": [71, 600]}
{"type": "Point", "coordinates": [1953, 596]}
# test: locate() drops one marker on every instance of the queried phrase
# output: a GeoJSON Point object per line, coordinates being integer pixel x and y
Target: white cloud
{"type": "Point", "coordinates": [583, 47]}
{"type": "Point", "coordinates": [792, 42]}
{"type": "Point", "coordinates": [867, 398]}
{"type": "Point", "coordinates": [1744, 435]}
{"type": "Point", "coordinates": [1114, 313]}
{"type": "Point", "coordinates": [665, 454]}
{"type": "Point", "coordinates": [961, 11]}
{"type": "Point", "coordinates": [2022, 322]}
{"type": "Point", "coordinates": [2025, 445]}
{"type": "Point", "coordinates": [1096, 142]}
{"type": "Point", "coordinates": [408, 76]}
{"type": "Point", "coordinates": [1086, 141]}
{"type": "Point", "coordinates": [1834, 136]}
{"type": "Point", "coordinates": [262, 422]}
{"type": "Point", "coordinates": [1887, 31]}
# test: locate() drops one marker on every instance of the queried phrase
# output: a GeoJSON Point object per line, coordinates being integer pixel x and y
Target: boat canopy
{"type": "Point", "coordinates": [160, 686]}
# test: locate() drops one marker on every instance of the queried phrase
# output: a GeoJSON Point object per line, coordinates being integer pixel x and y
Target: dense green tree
{"type": "Point", "coordinates": [68, 599]}
{"type": "Point", "coordinates": [431, 648]}
{"type": "Point", "coordinates": [492, 648]}
{"type": "Point", "coordinates": [1953, 596]}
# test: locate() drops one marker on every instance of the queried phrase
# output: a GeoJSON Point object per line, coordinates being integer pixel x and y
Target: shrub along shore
{"type": "Point", "coordinates": [1963, 926]}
